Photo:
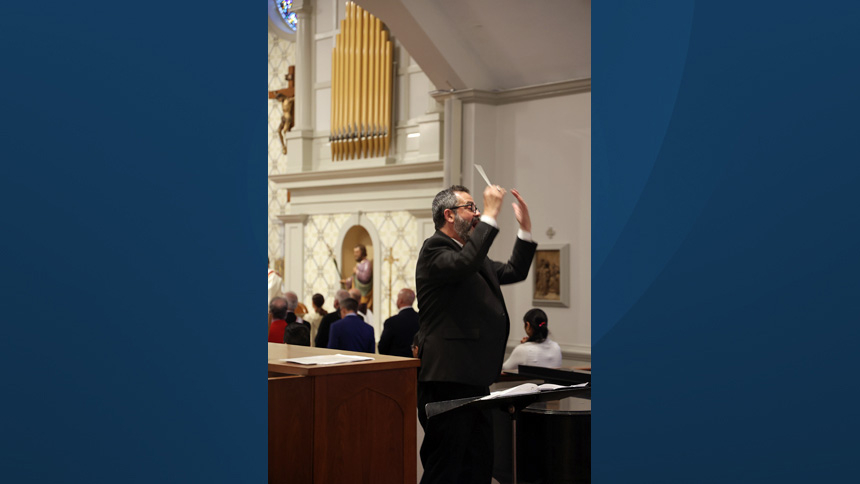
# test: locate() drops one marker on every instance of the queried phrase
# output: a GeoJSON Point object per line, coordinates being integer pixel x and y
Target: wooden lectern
{"type": "Point", "coordinates": [349, 422]}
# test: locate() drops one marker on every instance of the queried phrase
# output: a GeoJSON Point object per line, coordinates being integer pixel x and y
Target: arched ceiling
{"type": "Point", "coordinates": [492, 45]}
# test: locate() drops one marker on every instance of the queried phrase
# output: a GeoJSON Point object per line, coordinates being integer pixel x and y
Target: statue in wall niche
{"type": "Point", "coordinates": [362, 276]}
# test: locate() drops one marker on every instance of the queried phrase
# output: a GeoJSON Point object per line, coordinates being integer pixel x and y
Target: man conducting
{"type": "Point", "coordinates": [464, 328]}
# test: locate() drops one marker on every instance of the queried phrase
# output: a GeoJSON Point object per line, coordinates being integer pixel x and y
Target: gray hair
{"type": "Point", "coordinates": [341, 294]}
{"type": "Point", "coordinates": [445, 200]}
{"type": "Point", "coordinates": [292, 300]}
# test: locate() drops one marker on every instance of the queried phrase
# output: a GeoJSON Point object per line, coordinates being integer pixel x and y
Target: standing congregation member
{"type": "Point", "coordinates": [351, 333]}
{"type": "Point", "coordinates": [398, 330]}
{"type": "Point", "coordinates": [464, 328]}
{"type": "Point", "coordinates": [292, 305]}
{"type": "Point", "coordinates": [321, 339]}
{"type": "Point", "coordinates": [316, 314]}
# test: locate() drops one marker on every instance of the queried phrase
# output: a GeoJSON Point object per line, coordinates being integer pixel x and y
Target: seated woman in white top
{"type": "Point", "coordinates": [536, 349]}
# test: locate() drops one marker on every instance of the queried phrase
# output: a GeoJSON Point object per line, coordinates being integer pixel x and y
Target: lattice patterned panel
{"type": "Point", "coordinates": [398, 232]}
{"type": "Point", "coordinates": [321, 274]}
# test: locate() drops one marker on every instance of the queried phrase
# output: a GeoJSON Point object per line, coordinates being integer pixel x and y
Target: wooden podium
{"type": "Point", "coordinates": [350, 422]}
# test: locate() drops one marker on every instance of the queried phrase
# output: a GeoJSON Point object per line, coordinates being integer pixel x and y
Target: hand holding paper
{"type": "Point", "coordinates": [493, 200]}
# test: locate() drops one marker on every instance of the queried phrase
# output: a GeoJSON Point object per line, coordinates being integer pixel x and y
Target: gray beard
{"type": "Point", "coordinates": [463, 228]}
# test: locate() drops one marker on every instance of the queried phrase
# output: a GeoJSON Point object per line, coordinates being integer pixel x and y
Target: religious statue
{"type": "Point", "coordinates": [362, 276]}
{"type": "Point", "coordinates": [286, 118]}
{"type": "Point", "coordinates": [286, 97]}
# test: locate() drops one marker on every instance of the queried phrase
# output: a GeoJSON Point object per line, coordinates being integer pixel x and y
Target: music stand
{"type": "Point", "coordinates": [512, 404]}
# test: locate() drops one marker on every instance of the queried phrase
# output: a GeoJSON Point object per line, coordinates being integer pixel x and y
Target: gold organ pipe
{"type": "Point", "coordinates": [335, 106]}
{"type": "Point", "coordinates": [386, 106]}
{"type": "Point", "coordinates": [361, 87]}
{"type": "Point", "coordinates": [377, 88]}
{"type": "Point", "coordinates": [355, 96]}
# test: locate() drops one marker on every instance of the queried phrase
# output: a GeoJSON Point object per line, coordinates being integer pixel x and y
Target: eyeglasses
{"type": "Point", "coordinates": [469, 206]}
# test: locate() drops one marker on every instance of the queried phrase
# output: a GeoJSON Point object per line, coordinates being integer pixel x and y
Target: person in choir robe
{"type": "Point", "coordinates": [351, 333]}
{"type": "Point", "coordinates": [275, 283]}
{"type": "Point", "coordinates": [464, 328]}
{"type": "Point", "coordinates": [536, 348]}
{"type": "Point", "coordinates": [399, 330]}
{"type": "Point", "coordinates": [321, 339]}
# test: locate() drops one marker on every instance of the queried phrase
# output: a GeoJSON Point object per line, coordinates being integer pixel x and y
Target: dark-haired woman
{"type": "Point", "coordinates": [314, 317]}
{"type": "Point", "coordinates": [536, 349]}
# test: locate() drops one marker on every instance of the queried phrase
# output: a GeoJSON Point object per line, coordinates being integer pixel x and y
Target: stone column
{"type": "Point", "coordinates": [300, 139]}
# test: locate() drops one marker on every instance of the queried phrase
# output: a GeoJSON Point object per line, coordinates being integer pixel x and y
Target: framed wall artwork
{"type": "Point", "coordinates": [551, 276]}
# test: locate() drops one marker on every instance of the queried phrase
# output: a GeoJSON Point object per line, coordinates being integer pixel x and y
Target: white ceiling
{"type": "Point", "coordinates": [492, 44]}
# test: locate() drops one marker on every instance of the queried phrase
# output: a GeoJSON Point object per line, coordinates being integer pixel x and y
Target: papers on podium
{"type": "Point", "coordinates": [327, 359]}
{"type": "Point", "coordinates": [529, 388]}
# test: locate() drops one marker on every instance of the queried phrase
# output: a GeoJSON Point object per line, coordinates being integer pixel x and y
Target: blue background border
{"type": "Point", "coordinates": [725, 240]}
{"type": "Point", "coordinates": [134, 205]}
{"type": "Point", "coordinates": [725, 234]}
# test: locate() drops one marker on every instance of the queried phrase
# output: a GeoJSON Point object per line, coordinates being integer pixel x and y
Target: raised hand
{"type": "Point", "coordinates": [521, 210]}
{"type": "Point", "coordinates": [493, 200]}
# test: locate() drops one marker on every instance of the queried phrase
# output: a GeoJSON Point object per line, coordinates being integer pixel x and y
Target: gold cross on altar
{"type": "Point", "coordinates": [390, 259]}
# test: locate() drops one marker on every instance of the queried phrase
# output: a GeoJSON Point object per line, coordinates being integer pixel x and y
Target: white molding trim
{"type": "Point", "coordinates": [360, 175]}
{"type": "Point", "coordinates": [292, 219]}
{"type": "Point", "coordinates": [575, 352]}
{"type": "Point", "coordinates": [405, 186]}
{"type": "Point", "coordinates": [519, 94]}
{"type": "Point", "coordinates": [421, 213]}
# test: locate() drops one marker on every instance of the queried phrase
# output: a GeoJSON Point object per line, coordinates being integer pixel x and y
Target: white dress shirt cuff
{"type": "Point", "coordinates": [522, 234]}
{"type": "Point", "coordinates": [489, 220]}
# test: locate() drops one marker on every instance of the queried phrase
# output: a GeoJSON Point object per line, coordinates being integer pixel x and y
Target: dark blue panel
{"type": "Point", "coordinates": [725, 237]}
{"type": "Point", "coordinates": [133, 241]}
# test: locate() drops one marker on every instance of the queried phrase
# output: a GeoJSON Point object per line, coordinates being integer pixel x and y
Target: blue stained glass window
{"type": "Point", "coordinates": [285, 7]}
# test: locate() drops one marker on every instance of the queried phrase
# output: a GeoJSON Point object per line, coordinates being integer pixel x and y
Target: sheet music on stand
{"type": "Point", "coordinates": [520, 396]}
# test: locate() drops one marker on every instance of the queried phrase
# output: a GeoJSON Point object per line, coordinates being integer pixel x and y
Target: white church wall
{"type": "Point", "coordinates": [547, 145]}
{"type": "Point", "coordinates": [543, 148]}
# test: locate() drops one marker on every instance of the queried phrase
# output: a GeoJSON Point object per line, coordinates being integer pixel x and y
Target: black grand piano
{"type": "Point", "coordinates": [553, 437]}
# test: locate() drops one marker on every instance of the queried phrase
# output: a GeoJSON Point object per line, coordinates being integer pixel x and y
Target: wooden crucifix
{"type": "Point", "coordinates": [390, 259]}
{"type": "Point", "coordinates": [286, 97]}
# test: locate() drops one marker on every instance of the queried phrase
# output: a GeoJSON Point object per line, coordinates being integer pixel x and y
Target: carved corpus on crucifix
{"type": "Point", "coordinates": [286, 97]}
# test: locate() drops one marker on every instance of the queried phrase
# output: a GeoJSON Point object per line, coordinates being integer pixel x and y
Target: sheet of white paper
{"type": "Point", "coordinates": [327, 359]}
{"type": "Point", "coordinates": [527, 388]}
{"type": "Point", "coordinates": [484, 175]}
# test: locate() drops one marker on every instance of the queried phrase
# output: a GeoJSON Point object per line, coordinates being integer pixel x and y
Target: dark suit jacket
{"type": "Point", "coordinates": [352, 334]}
{"type": "Point", "coordinates": [321, 340]}
{"type": "Point", "coordinates": [464, 323]}
{"type": "Point", "coordinates": [397, 334]}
